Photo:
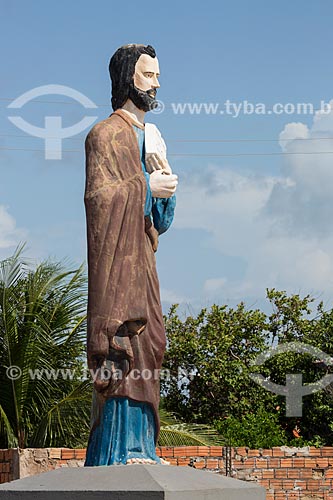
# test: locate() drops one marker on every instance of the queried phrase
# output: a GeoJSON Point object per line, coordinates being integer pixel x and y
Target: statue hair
{"type": "Point", "coordinates": [122, 69]}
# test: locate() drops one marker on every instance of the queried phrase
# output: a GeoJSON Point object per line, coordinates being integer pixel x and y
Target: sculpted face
{"type": "Point", "coordinates": [146, 73]}
{"type": "Point", "coordinates": [145, 82]}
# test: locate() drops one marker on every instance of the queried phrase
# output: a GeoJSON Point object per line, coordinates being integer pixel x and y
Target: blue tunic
{"type": "Point", "coordinates": [127, 428]}
{"type": "Point", "coordinates": [160, 209]}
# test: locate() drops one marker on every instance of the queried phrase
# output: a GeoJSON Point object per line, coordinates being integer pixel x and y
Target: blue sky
{"type": "Point", "coordinates": [243, 222]}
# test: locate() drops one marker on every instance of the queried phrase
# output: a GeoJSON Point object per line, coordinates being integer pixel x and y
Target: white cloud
{"type": "Point", "coordinates": [10, 235]}
{"type": "Point", "coordinates": [171, 297]}
{"type": "Point", "coordinates": [280, 226]}
{"type": "Point", "coordinates": [214, 284]}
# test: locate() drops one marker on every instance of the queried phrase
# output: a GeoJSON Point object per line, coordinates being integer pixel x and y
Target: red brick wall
{"type": "Point", "coordinates": [8, 465]}
{"type": "Point", "coordinates": [286, 473]}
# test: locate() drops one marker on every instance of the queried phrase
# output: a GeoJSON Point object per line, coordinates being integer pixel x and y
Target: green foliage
{"type": "Point", "coordinates": [174, 432]}
{"type": "Point", "coordinates": [217, 350]}
{"type": "Point", "coordinates": [259, 429]}
{"type": "Point", "coordinates": [42, 328]}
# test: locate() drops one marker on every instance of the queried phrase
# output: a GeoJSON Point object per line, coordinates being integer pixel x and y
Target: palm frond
{"type": "Point", "coordinates": [7, 430]}
{"type": "Point", "coordinates": [189, 435]}
{"type": "Point", "coordinates": [61, 424]}
{"type": "Point", "coordinates": [174, 432]}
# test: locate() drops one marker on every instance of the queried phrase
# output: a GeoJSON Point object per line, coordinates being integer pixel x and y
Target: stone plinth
{"type": "Point", "coordinates": [130, 482]}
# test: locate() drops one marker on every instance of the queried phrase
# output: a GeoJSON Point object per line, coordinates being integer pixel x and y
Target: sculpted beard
{"type": "Point", "coordinates": [143, 99]}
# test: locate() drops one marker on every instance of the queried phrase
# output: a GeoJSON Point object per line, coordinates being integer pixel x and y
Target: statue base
{"type": "Point", "coordinates": [130, 482]}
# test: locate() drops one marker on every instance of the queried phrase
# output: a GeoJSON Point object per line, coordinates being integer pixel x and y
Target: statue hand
{"type": "Point", "coordinates": [162, 184]}
{"type": "Point", "coordinates": [157, 162]}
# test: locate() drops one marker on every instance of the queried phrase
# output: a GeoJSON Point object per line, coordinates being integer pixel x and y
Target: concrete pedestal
{"type": "Point", "coordinates": [130, 482]}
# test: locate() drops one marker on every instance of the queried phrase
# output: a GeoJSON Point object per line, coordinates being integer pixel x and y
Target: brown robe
{"type": "Point", "coordinates": [125, 322]}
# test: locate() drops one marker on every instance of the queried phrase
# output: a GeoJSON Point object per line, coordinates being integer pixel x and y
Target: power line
{"type": "Point", "coordinates": [54, 102]}
{"type": "Point", "coordinates": [81, 138]}
{"type": "Point", "coordinates": [190, 155]}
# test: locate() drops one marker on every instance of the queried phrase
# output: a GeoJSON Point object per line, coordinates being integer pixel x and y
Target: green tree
{"type": "Point", "coordinates": [217, 350]}
{"type": "Point", "coordinates": [214, 351]}
{"type": "Point", "coordinates": [42, 331]}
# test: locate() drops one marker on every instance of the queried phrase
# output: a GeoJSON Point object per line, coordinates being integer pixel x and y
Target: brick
{"type": "Point", "coordinates": [281, 473]}
{"type": "Point", "coordinates": [62, 463]}
{"type": "Point", "coordinates": [329, 473]}
{"type": "Point", "coordinates": [277, 452]}
{"type": "Point", "coordinates": [276, 484]}
{"type": "Point", "coordinates": [200, 465]}
{"type": "Point", "coordinates": [167, 451]}
{"type": "Point", "coordinates": [183, 462]}
{"type": "Point", "coordinates": [67, 454]}
{"type": "Point", "coordinates": [2, 455]}
{"type": "Point", "coordinates": [306, 474]}
{"type": "Point", "coordinates": [294, 495]}
{"type": "Point", "coordinates": [172, 461]}
{"type": "Point", "coordinates": [274, 463]}
{"type": "Point", "coordinates": [326, 451]}
{"type": "Point", "coordinates": [288, 484]}
{"type": "Point", "coordinates": [286, 462]}
{"type": "Point", "coordinates": [269, 496]}
{"type": "Point", "coordinates": [313, 484]}
{"type": "Point", "coordinates": [203, 451]}
{"type": "Point", "coordinates": [253, 453]}
{"type": "Point", "coordinates": [280, 495]}
{"type": "Point", "coordinates": [192, 451]}
{"type": "Point", "coordinates": [300, 484]}
{"type": "Point", "coordinates": [310, 462]}
{"type": "Point", "coordinates": [322, 462]}
{"type": "Point", "coordinates": [268, 473]}
{"type": "Point", "coordinates": [54, 452]}
{"type": "Point", "coordinates": [239, 464]}
{"type": "Point", "coordinates": [216, 451]}
{"type": "Point", "coordinates": [298, 462]}
{"type": "Point", "coordinates": [314, 452]}
{"type": "Point", "coordinates": [179, 451]}
{"type": "Point", "coordinates": [261, 463]}
{"type": "Point", "coordinates": [242, 451]}
{"type": "Point", "coordinates": [212, 463]}
{"type": "Point", "coordinates": [250, 462]}
{"type": "Point", "coordinates": [8, 455]}
{"type": "Point", "coordinates": [221, 463]}
{"type": "Point", "coordinates": [4, 478]}
{"type": "Point", "coordinates": [80, 454]}
{"type": "Point", "coordinates": [264, 483]}
{"type": "Point", "coordinates": [267, 452]}
{"type": "Point", "coordinates": [293, 473]}
{"type": "Point", "coordinates": [257, 474]}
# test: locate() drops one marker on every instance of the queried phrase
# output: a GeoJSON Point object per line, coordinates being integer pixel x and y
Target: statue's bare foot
{"type": "Point", "coordinates": [141, 461]}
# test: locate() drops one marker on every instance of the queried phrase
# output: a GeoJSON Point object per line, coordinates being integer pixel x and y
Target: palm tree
{"type": "Point", "coordinates": [43, 399]}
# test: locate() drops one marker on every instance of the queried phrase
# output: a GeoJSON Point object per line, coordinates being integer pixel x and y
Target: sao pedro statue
{"type": "Point", "coordinates": [129, 201]}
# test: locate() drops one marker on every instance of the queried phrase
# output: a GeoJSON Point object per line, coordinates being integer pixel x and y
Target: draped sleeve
{"type": "Point", "coordinates": [114, 199]}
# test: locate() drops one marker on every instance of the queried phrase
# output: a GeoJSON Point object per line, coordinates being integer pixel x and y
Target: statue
{"type": "Point", "coordinates": [129, 201]}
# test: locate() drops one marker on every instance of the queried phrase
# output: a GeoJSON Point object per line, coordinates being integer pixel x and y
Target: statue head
{"type": "Point", "coordinates": [134, 73]}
